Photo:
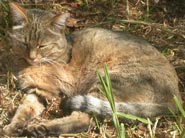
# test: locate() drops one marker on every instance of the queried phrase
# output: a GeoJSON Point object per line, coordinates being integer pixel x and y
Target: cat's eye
{"type": "Point", "coordinates": [41, 46]}
{"type": "Point", "coordinates": [25, 45]}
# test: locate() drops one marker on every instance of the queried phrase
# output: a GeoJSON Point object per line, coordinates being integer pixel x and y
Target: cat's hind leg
{"type": "Point", "coordinates": [74, 123]}
{"type": "Point", "coordinates": [30, 107]}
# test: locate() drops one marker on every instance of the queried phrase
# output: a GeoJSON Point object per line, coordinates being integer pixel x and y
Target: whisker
{"type": "Point", "coordinates": [50, 61]}
{"type": "Point", "coordinates": [43, 61]}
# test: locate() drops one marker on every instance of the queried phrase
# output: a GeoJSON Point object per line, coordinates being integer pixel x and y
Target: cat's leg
{"type": "Point", "coordinates": [31, 107]}
{"type": "Point", "coordinates": [50, 80]}
{"type": "Point", "coordinates": [74, 123]}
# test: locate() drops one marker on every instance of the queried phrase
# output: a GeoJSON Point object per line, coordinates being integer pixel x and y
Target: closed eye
{"type": "Point", "coordinates": [46, 45]}
{"type": "Point", "coordinates": [41, 46]}
{"type": "Point", "coordinates": [25, 45]}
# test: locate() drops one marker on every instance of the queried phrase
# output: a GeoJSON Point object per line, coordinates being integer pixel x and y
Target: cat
{"type": "Point", "coordinates": [143, 80]}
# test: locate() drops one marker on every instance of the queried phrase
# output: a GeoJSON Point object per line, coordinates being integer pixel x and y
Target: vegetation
{"type": "Point", "coordinates": [107, 90]}
{"type": "Point", "coordinates": [179, 118]}
{"type": "Point", "coordinates": [120, 129]}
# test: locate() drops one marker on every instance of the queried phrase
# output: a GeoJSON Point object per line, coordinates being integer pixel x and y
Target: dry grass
{"type": "Point", "coordinates": [162, 24]}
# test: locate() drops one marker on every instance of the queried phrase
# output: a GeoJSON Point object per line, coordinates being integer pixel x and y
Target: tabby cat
{"type": "Point", "coordinates": [143, 81]}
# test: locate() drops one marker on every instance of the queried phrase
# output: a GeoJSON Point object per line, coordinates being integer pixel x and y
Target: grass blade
{"type": "Point", "coordinates": [132, 117]}
{"type": "Point", "coordinates": [107, 89]}
{"type": "Point", "coordinates": [178, 104]}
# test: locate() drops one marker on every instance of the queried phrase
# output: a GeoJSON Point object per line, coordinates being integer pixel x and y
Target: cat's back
{"type": "Point", "coordinates": [131, 61]}
{"type": "Point", "coordinates": [100, 36]}
{"type": "Point", "coordinates": [97, 45]}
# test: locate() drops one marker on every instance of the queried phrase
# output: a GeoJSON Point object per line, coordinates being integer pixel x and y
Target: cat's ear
{"type": "Point", "coordinates": [59, 21]}
{"type": "Point", "coordinates": [19, 15]}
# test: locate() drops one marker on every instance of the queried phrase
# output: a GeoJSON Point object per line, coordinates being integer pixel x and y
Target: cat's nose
{"type": "Point", "coordinates": [32, 55]}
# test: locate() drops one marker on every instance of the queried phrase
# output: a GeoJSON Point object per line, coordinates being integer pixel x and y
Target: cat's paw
{"type": "Point", "coordinates": [2, 134]}
{"type": "Point", "coordinates": [24, 81]}
{"type": "Point", "coordinates": [13, 130]}
{"type": "Point", "coordinates": [36, 130]}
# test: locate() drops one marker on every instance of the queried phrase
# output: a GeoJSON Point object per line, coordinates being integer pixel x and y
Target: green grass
{"type": "Point", "coordinates": [5, 18]}
{"type": "Point", "coordinates": [106, 88]}
{"type": "Point", "coordinates": [179, 118]}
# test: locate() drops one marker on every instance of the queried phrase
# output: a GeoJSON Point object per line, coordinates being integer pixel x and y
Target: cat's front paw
{"type": "Point", "coordinates": [24, 81]}
{"type": "Point", "coordinates": [13, 130]}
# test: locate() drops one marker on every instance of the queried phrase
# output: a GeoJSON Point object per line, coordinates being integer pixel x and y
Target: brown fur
{"type": "Point", "coordinates": [142, 79]}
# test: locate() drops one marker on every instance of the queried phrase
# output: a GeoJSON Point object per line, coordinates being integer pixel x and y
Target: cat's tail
{"type": "Point", "coordinates": [90, 104]}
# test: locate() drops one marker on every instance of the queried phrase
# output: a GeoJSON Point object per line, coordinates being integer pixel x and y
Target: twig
{"type": "Point", "coordinates": [155, 25]}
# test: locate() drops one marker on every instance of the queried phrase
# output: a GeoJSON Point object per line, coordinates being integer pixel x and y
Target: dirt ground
{"type": "Point", "coordinates": [161, 22]}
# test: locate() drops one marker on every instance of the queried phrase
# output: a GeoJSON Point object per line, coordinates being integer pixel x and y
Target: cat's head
{"type": "Point", "coordinates": [39, 34]}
